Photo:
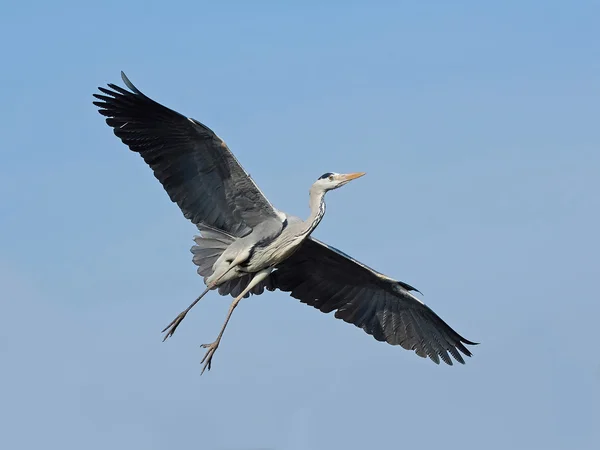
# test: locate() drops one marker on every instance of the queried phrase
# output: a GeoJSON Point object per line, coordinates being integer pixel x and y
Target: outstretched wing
{"type": "Point", "coordinates": [192, 163]}
{"type": "Point", "coordinates": [328, 279]}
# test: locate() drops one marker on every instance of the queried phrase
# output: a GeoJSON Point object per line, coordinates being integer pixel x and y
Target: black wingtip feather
{"type": "Point", "coordinates": [129, 84]}
{"type": "Point", "coordinates": [116, 90]}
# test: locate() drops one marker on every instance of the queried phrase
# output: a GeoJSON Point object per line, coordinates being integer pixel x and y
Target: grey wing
{"type": "Point", "coordinates": [192, 163]}
{"type": "Point", "coordinates": [328, 279]}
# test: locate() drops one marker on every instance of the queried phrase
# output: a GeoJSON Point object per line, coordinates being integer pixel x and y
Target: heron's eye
{"type": "Point", "coordinates": [330, 177]}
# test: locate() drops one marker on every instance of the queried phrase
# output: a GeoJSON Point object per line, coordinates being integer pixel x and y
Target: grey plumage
{"type": "Point", "coordinates": [246, 245]}
{"type": "Point", "coordinates": [193, 164]}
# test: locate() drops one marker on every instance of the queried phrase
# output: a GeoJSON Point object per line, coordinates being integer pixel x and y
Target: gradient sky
{"type": "Point", "coordinates": [477, 125]}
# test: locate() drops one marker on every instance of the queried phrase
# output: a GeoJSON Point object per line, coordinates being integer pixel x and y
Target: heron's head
{"type": "Point", "coordinates": [331, 180]}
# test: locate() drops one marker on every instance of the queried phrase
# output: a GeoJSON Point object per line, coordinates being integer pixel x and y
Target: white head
{"type": "Point", "coordinates": [332, 180]}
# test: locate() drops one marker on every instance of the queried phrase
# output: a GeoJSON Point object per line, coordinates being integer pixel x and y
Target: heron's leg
{"type": "Point", "coordinates": [260, 276]}
{"type": "Point", "coordinates": [177, 320]}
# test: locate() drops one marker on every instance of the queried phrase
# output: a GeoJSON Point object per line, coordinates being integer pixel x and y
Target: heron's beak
{"type": "Point", "coordinates": [352, 176]}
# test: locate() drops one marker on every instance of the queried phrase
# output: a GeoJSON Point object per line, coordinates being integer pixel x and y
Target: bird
{"type": "Point", "coordinates": [246, 245]}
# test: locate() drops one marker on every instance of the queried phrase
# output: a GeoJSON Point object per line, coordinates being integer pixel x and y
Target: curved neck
{"type": "Point", "coordinates": [317, 210]}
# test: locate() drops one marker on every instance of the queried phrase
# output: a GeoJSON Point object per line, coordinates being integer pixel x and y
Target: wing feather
{"type": "Point", "coordinates": [330, 280]}
{"type": "Point", "coordinates": [195, 167]}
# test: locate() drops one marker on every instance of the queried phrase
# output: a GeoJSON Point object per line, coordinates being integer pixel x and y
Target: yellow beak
{"type": "Point", "coordinates": [352, 176]}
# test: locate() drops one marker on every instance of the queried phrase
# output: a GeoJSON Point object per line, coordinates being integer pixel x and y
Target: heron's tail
{"type": "Point", "coordinates": [208, 248]}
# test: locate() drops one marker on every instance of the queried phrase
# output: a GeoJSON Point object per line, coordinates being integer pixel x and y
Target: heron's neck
{"type": "Point", "coordinates": [317, 210]}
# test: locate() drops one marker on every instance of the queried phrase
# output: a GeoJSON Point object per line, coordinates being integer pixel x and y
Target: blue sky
{"type": "Point", "coordinates": [477, 125]}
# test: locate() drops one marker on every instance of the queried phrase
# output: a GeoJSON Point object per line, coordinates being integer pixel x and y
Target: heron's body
{"type": "Point", "coordinates": [267, 249]}
{"type": "Point", "coordinates": [247, 245]}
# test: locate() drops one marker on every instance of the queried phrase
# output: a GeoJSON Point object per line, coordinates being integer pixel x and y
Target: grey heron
{"type": "Point", "coordinates": [246, 245]}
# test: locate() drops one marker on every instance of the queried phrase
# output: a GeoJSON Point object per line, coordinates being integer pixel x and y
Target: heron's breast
{"type": "Point", "coordinates": [276, 252]}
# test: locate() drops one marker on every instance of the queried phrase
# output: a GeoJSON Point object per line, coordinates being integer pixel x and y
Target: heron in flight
{"type": "Point", "coordinates": [246, 245]}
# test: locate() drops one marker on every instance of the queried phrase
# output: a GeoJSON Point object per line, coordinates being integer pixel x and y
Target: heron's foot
{"type": "Point", "coordinates": [212, 348]}
{"type": "Point", "coordinates": [170, 329]}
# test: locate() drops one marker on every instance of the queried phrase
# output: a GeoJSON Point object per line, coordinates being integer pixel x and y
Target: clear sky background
{"type": "Point", "coordinates": [478, 126]}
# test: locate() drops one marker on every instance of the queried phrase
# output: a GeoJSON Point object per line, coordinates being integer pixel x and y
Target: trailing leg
{"type": "Point", "coordinates": [212, 347]}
